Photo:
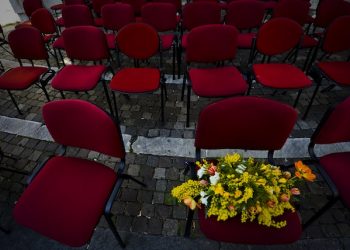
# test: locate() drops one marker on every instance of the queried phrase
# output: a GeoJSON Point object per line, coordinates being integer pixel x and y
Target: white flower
{"type": "Point", "coordinates": [214, 179]}
{"type": "Point", "coordinates": [204, 200]}
{"type": "Point", "coordinates": [201, 172]}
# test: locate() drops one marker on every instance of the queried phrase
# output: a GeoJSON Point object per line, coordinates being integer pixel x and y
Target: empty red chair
{"type": "Point", "coordinates": [83, 43]}
{"type": "Point", "coordinates": [137, 80]}
{"type": "Point", "coordinates": [278, 36]}
{"type": "Point", "coordinates": [333, 167]}
{"type": "Point", "coordinates": [60, 21]}
{"type": "Point", "coordinates": [212, 81]}
{"type": "Point", "coordinates": [27, 43]}
{"type": "Point", "coordinates": [67, 196]}
{"type": "Point", "coordinates": [251, 134]}
{"type": "Point", "coordinates": [193, 15]}
{"type": "Point", "coordinates": [136, 5]}
{"type": "Point", "coordinates": [30, 6]}
{"type": "Point", "coordinates": [336, 39]}
{"type": "Point", "coordinates": [162, 16]}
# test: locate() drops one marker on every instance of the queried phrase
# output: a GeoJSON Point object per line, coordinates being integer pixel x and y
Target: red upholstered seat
{"type": "Point", "coordinates": [60, 21]}
{"type": "Point", "coordinates": [308, 42]}
{"type": "Point", "coordinates": [337, 167]}
{"type": "Point", "coordinates": [110, 40]}
{"type": "Point", "coordinates": [167, 41]}
{"type": "Point", "coordinates": [233, 230]}
{"type": "Point", "coordinates": [98, 22]}
{"type": "Point", "coordinates": [245, 40]}
{"type": "Point", "coordinates": [58, 43]}
{"type": "Point", "coordinates": [338, 72]}
{"type": "Point", "coordinates": [136, 80]}
{"type": "Point", "coordinates": [21, 77]}
{"type": "Point", "coordinates": [78, 77]}
{"type": "Point", "coordinates": [219, 82]}
{"type": "Point", "coordinates": [66, 185]}
{"type": "Point", "coordinates": [282, 76]}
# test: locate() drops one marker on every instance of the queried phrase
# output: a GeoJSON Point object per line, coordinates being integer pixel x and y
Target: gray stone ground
{"type": "Point", "coordinates": [148, 218]}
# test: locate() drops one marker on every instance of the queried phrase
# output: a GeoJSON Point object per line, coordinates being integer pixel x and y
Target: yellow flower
{"type": "Point", "coordinates": [219, 189]}
{"type": "Point", "coordinates": [261, 181]}
{"type": "Point", "coordinates": [232, 158]}
{"type": "Point", "coordinates": [282, 180]}
{"type": "Point", "coordinates": [238, 193]}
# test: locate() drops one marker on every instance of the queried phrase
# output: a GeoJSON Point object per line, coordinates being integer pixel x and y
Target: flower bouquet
{"type": "Point", "coordinates": [233, 186]}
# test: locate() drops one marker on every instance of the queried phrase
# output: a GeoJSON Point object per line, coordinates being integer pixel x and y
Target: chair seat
{"type": "Point", "coordinates": [245, 40]}
{"type": "Point", "coordinates": [217, 82]}
{"type": "Point", "coordinates": [309, 42]}
{"type": "Point", "coordinates": [66, 199]}
{"type": "Point", "coordinates": [338, 72]}
{"type": "Point", "coordinates": [60, 22]}
{"type": "Point", "coordinates": [337, 167]}
{"type": "Point", "coordinates": [110, 38]}
{"type": "Point", "coordinates": [98, 21]}
{"type": "Point", "coordinates": [58, 43]}
{"type": "Point", "coordinates": [78, 77]}
{"type": "Point", "coordinates": [136, 80]}
{"type": "Point", "coordinates": [23, 24]}
{"type": "Point", "coordinates": [167, 41]}
{"type": "Point", "coordinates": [233, 230]}
{"type": "Point", "coordinates": [281, 76]}
{"type": "Point", "coordinates": [48, 37]}
{"type": "Point", "coordinates": [21, 77]}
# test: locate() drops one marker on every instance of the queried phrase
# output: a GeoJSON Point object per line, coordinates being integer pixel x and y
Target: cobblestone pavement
{"type": "Point", "coordinates": [148, 218]}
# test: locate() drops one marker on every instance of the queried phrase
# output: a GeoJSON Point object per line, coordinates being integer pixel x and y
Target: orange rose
{"type": "Point", "coordinates": [271, 203]}
{"type": "Point", "coordinates": [212, 169]}
{"type": "Point", "coordinates": [304, 171]}
{"type": "Point", "coordinates": [190, 202]}
{"type": "Point", "coordinates": [295, 191]}
{"type": "Point", "coordinates": [284, 197]}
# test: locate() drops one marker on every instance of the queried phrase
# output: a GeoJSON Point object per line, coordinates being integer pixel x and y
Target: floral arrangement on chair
{"type": "Point", "coordinates": [234, 186]}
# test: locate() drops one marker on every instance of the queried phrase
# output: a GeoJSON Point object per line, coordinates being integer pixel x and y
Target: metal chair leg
{"type": "Point", "coordinates": [189, 223]}
{"type": "Point", "coordinates": [107, 97]}
{"type": "Point", "coordinates": [188, 106]}
{"type": "Point", "coordinates": [297, 99]}
{"type": "Point", "coordinates": [162, 101]}
{"type": "Point", "coordinates": [114, 230]}
{"type": "Point", "coordinates": [183, 86]}
{"type": "Point", "coordinates": [311, 101]}
{"type": "Point", "coordinates": [14, 102]}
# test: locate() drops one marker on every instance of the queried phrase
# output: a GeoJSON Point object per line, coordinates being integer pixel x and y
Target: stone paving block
{"type": "Point", "coordinates": [128, 194]}
{"type": "Point", "coordinates": [155, 226]}
{"type": "Point", "coordinates": [152, 161]}
{"type": "Point", "coordinates": [144, 196]}
{"type": "Point", "coordinates": [163, 211]}
{"type": "Point", "coordinates": [147, 210]}
{"type": "Point", "coordinates": [158, 198]}
{"type": "Point", "coordinates": [133, 170]}
{"type": "Point", "coordinates": [170, 227]}
{"type": "Point", "coordinates": [124, 223]}
{"type": "Point", "coordinates": [172, 174]}
{"type": "Point", "coordinates": [153, 133]}
{"type": "Point", "coordinates": [132, 208]}
{"type": "Point", "coordinates": [140, 224]}
{"type": "Point", "coordinates": [161, 185]}
{"type": "Point", "coordinates": [159, 173]}
{"type": "Point", "coordinates": [179, 212]}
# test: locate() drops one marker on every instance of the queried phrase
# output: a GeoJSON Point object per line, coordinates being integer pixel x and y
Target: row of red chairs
{"type": "Point", "coordinates": [90, 188]}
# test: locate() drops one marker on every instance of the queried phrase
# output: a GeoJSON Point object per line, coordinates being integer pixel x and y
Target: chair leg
{"type": "Point", "coordinates": [107, 97]}
{"type": "Point", "coordinates": [188, 106]}
{"type": "Point", "coordinates": [56, 58]}
{"type": "Point", "coordinates": [297, 99]}
{"type": "Point", "coordinates": [61, 56]}
{"type": "Point", "coordinates": [14, 102]}
{"type": "Point", "coordinates": [114, 230]}
{"type": "Point", "coordinates": [162, 101]}
{"type": "Point", "coordinates": [311, 101]}
{"type": "Point", "coordinates": [45, 92]}
{"type": "Point", "coordinates": [62, 94]}
{"type": "Point", "coordinates": [129, 177]}
{"type": "Point", "coordinates": [183, 86]}
{"type": "Point", "coordinates": [174, 54]}
{"type": "Point", "coordinates": [189, 223]}
{"type": "Point", "coordinates": [179, 57]}
{"type": "Point", "coordinates": [115, 106]}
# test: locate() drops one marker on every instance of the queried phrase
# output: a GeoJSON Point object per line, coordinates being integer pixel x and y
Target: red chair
{"type": "Point", "coordinates": [336, 39]}
{"type": "Point", "coordinates": [136, 5]}
{"type": "Point", "coordinates": [30, 6]}
{"type": "Point", "coordinates": [333, 167]}
{"type": "Point", "coordinates": [66, 195]}
{"type": "Point", "coordinates": [138, 80]}
{"type": "Point", "coordinates": [278, 36]}
{"type": "Point", "coordinates": [249, 134]}
{"type": "Point", "coordinates": [114, 17]}
{"type": "Point", "coordinates": [245, 15]}
{"type": "Point", "coordinates": [27, 43]}
{"type": "Point", "coordinates": [222, 81]}
{"type": "Point", "coordinates": [193, 15]}
{"type": "Point", "coordinates": [83, 43]}
{"type": "Point", "coordinates": [60, 21]}
{"type": "Point", "coordinates": [162, 16]}
{"type": "Point", "coordinates": [43, 20]}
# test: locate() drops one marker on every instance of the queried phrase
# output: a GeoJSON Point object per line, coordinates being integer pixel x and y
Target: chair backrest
{"type": "Point", "coordinates": [136, 5]}
{"type": "Point", "coordinates": [43, 20]}
{"type": "Point", "coordinates": [131, 40]}
{"type": "Point", "coordinates": [177, 3]}
{"type": "Point", "coordinates": [328, 10]}
{"type": "Point", "coordinates": [27, 43]}
{"type": "Point", "coordinates": [30, 6]}
{"type": "Point", "coordinates": [78, 123]}
{"type": "Point", "coordinates": [297, 10]}
{"type": "Point", "coordinates": [245, 14]}
{"type": "Point", "coordinates": [76, 15]}
{"type": "Point", "coordinates": [211, 43]}
{"type": "Point", "coordinates": [161, 16]}
{"type": "Point", "coordinates": [334, 127]}
{"type": "Point", "coordinates": [251, 123]}
{"type": "Point", "coordinates": [117, 15]}
{"type": "Point", "coordinates": [278, 36]}
{"type": "Point", "coordinates": [85, 43]}
{"type": "Point", "coordinates": [337, 36]}
{"type": "Point", "coordinates": [200, 13]}
{"type": "Point", "coordinates": [98, 4]}
{"type": "Point", "coordinates": [74, 2]}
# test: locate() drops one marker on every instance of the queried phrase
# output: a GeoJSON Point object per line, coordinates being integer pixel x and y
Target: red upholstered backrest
{"type": "Point", "coordinates": [335, 126]}
{"type": "Point", "coordinates": [30, 6]}
{"type": "Point", "coordinates": [98, 4]}
{"type": "Point", "coordinates": [328, 10]}
{"type": "Point", "coordinates": [43, 20]}
{"type": "Point", "coordinates": [136, 5]}
{"type": "Point", "coordinates": [211, 43]}
{"type": "Point", "coordinates": [27, 43]}
{"type": "Point", "coordinates": [117, 15]}
{"type": "Point", "coordinates": [177, 3]}
{"type": "Point", "coordinates": [75, 15]}
{"type": "Point", "coordinates": [81, 124]}
{"type": "Point", "coordinates": [278, 36]}
{"type": "Point", "coordinates": [85, 43]}
{"type": "Point", "coordinates": [161, 16]}
{"type": "Point", "coordinates": [297, 10]}
{"type": "Point", "coordinates": [337, 37]}
{"type": "Point", "coordinates": [245, 14]}
{"type": "Point", "coordinates": [138, 40]}
{"type": "Point", "coordinates": [200, 13]}
{"type": "Point", "coordinates": [245, 123]}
